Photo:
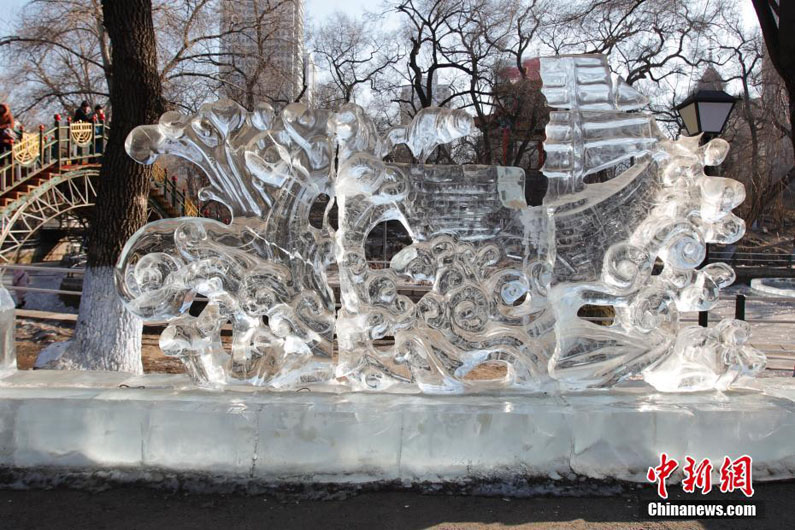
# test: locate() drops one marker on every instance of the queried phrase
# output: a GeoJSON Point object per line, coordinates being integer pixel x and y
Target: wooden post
{"type": "Point", "coordinates": [68, 138]}
{"type": "Point", "coordinates": [19, 168]}
{"type": "Point", "coordinates": [57, 143]}
{"type": "Point", "coordinates": [93, 134]}
{"type": "Point", "coordinates": [703, 316]}
{"type": "Point", "coordinates": [739, 307]}
{"type": "Point", "coordinates": [101, 141]}
{"type": "Point", "coordinates": [41, 145]}
{"type": "Point", "coordinates": [385, 224]}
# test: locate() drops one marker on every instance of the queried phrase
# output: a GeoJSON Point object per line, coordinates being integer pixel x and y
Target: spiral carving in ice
{"type": "Point", "coordinates": [583, 291]}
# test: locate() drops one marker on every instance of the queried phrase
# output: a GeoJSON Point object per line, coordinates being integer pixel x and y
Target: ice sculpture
{"type": "Point", "coordinates": [265, 273]}
{"type": "Point", "coordinates": [478, 246]}
{"type": "Point", "coordinates": [8, 347]}
{"type": "Point", "coordinates": [505, 282]}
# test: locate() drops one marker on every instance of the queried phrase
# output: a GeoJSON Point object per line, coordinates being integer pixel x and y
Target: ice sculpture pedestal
{"type": "Point", "coordinates": [154, 428]}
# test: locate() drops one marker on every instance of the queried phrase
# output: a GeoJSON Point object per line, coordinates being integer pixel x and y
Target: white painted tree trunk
{"type": "Point", "coordinates": [107, 336]}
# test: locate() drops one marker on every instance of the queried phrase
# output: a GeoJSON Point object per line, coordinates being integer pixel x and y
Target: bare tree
{"type": "Point", "coordinates": [644, 39]}
{"type": "Point", "coordinates": [777, 20]}
{"type": "Point", "coordinates": [259, 58]}
{"type": "Point", "coordinates": [354, 54]}
{"type": "Point", "coordinates": [61, 55]}
{"type": "Point", "coordinates": [761, 152]}
{"type": "Point", "coordinates": [745, 52]}
{"type": "Point", "coordinates": [432, 52]}
{"type": "Point", "coordinates": [473, 54]}
{"type": "Point", "coordinates": [454, 57]}
{"type": "Point", "coordinates": [514, 107]}
{"type": "Point", "coordinates": [107, 336]}
{"type": "Point", "coordinates": [205, 47]}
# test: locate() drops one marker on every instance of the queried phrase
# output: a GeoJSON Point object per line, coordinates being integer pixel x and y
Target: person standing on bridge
{"type": "Point", "coordinates": [7, 134]}
{"type": "Point", "coordinates": [99, 129]}
{"type": "Point", "coordinates": [83, 113]}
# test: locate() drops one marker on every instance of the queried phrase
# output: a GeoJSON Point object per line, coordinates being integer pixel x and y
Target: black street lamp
{"type": "Point", "coordinates": [706, 111]}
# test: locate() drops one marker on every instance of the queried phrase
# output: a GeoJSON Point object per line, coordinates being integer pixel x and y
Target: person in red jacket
{"type": "Point", "coordinates": [7, 134]}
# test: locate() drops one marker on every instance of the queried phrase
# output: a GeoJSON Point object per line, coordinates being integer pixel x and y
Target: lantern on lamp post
{"type": "Point", "coordinates": [706, 112]}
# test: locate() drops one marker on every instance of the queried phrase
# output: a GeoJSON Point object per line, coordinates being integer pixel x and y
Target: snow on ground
{"type": "Point", "coordinates": [41, 301]}
{"type": "Point", "coordinates": [772, 322]}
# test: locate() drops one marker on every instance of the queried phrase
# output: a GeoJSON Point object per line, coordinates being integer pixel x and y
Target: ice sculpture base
{"type": "Point", "coordinates": [775, 286]}
{"type": "Point", "coordinates": [156, 427]}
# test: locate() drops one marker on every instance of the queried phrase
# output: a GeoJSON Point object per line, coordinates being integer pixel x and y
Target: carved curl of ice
{"type": "Point", "coordinates": [706, 359]}
{"type": "Point", "coordinates": [506, 284]}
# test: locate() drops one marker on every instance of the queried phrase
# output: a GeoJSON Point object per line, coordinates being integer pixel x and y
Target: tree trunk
{"type": "Point", "coordinates": [107, 336]}
{"type": "Point", "coordinates": [776, 19]}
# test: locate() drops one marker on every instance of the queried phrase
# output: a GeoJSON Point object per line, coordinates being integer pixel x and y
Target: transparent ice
{"type": "Point", "coordinates": [8, 351]}
{"type": "Point", "coordinates": [264, 275]}
{"type": "Point", "coordinates": [506, 283]}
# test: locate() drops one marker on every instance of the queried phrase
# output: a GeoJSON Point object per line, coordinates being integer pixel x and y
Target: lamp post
{"type": "Point", "coordinates": [706, 112]}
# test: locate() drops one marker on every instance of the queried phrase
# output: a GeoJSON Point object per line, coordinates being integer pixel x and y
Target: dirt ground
{"type": "Point", "coordinates": [141, 508]}
{"type": "Point", "coordinates": [34, 334]}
